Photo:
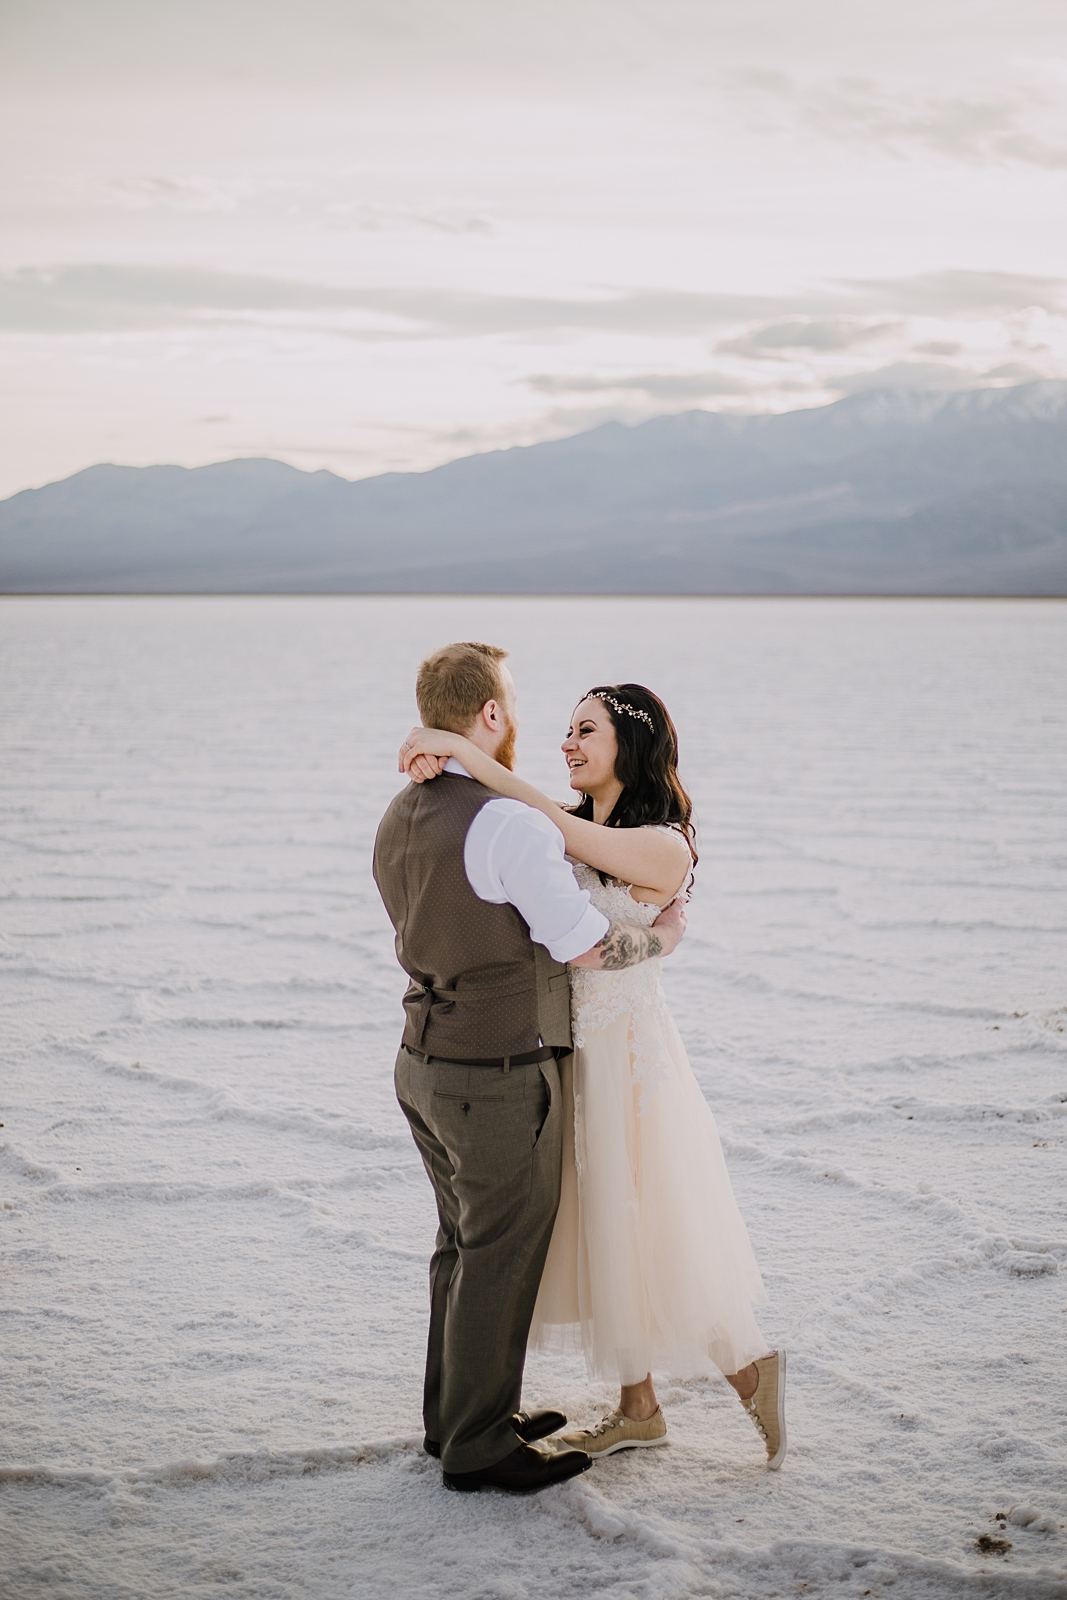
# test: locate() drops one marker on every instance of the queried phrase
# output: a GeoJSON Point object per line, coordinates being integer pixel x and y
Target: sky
{"type": "Point", "coordinates": [375, 235]}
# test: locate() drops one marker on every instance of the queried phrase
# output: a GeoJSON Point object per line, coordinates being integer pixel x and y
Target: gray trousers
{"type": "Point", "coordinates": [491, 1142]}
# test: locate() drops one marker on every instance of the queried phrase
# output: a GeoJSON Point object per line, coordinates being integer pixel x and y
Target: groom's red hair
{"type": "Point", "coordinates": [455, 682]}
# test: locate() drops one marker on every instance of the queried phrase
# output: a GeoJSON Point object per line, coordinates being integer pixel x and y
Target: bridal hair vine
{"type": "Point", "coordinates": [617, 705]}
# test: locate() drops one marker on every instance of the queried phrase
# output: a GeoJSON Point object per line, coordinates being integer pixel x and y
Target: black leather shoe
{"type": "Point", "coordinates": [529, 1425]}
{"type": "Point", "coordinates": [524, 1471]}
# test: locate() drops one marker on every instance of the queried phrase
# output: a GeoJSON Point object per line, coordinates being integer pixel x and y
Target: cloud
{"type": "Point", "coordinates": [765, 79]}
{"type": "Point", "coordinates": [348, 216]}
{"type": "Point", "coordinates": [978, 131]}
{"type": "Point", "coordinates": [1014, 372]}
{"type": "Point", "coordinates": [982, 128]}
{"type": "Point", "coordinates": [961, 292]}
{"type": "Point", "coordinates": [66, 299]}
{"type": "Point", "coordinates": [173, 194]}
{"type": "Point", "coordinates": [85, 298]}
{"type": "Point", "coordinates": [358, 46]}
{"type": "Point", "coordinates": [907, 375]}
{"type": "Point", "coordinates": [657, 385]}
{"type": "Point", "coordinates": [935, 375]}
{"type": "Point", "coordinates": [826, 333]}
{"type": "Point", "coordinates": [112, 297]}
{"type": "Point", "coordinates": [666, 312]}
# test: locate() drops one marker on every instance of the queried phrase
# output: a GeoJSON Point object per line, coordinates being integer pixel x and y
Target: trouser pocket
{"type": "Point", "coordinates": [545, 1092]}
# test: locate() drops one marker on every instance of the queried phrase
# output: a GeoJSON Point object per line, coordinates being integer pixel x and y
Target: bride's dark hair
{"type": "Point", "coordinates": [646, 763]}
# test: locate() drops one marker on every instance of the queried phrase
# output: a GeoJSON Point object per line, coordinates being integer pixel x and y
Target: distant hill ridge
{"type": "Point", "coordinates": [890, 491]}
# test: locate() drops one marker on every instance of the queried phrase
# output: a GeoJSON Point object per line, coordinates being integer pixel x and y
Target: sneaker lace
{"type": "Point", "coordinates": [751, 1408]}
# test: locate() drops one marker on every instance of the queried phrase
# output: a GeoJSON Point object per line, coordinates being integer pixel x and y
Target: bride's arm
{"type": "Point", "coordinates": [643, 856]}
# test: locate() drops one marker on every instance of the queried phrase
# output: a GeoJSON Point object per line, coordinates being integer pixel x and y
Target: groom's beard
{"type": "Point", "coordinates": [506, 751]}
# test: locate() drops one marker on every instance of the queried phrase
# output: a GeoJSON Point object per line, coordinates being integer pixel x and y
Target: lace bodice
{"type": "Point", "coordinates": [598, 998]}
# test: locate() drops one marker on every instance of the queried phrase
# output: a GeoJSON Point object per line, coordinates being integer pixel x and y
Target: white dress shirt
{"type": "Point", "coordinates": [514, 855]}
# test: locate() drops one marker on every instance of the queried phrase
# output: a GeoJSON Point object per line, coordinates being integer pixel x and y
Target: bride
{"type": "Point", "coordinates": [650, 1264]}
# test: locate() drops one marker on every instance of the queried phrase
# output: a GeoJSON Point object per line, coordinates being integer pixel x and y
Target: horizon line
{"type": "Point", "coordinates": [507, 594]}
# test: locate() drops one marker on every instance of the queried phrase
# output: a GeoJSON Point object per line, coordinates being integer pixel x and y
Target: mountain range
{"type": "Point", "coordinates": [885, 492]}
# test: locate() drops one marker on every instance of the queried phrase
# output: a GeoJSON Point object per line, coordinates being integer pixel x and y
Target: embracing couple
{"type": "Point", "coordinates": [581, 1188]}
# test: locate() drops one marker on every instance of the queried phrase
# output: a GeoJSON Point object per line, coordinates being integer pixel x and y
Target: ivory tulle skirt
{"type": "Point", "coordinates": [650, 1268]}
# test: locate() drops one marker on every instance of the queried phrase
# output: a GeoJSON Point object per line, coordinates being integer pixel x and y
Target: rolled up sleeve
{"type": "Point", "coordinates": [515, 855]}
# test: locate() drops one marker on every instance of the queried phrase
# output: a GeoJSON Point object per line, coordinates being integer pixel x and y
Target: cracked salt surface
{"type": "Point", "coordinates": [214, 1223]}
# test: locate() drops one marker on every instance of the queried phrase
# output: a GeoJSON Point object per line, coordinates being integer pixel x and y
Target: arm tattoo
{"type": "Point", "coordinates": [624, 945]}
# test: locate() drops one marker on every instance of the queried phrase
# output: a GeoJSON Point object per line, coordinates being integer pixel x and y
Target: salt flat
{"type": "Point", "coordinates": [216, 1228]}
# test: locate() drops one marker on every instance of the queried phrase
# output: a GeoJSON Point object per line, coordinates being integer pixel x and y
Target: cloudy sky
{"type": "Point", "coordinates": [378, 234]}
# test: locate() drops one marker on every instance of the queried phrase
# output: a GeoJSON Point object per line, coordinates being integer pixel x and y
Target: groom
{"type": "Point", "coordinates": [487, 915]}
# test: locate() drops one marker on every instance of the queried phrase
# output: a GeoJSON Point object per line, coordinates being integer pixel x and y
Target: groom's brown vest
{"type": "Point", "coordinates": [479, 985]}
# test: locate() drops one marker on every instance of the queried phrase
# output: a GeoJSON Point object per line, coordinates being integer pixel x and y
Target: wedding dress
{"type": "Point", "coordinates": [650, 1268]}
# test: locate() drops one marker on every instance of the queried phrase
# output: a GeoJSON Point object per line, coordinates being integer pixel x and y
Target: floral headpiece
{"type": "Point", "coordinates": [617, 705]}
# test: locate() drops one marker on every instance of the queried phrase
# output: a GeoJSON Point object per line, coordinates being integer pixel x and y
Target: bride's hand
{"type": "Point", "coordinates": [424, 753]}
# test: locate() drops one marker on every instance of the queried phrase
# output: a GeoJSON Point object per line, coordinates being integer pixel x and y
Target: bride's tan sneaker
{"type": "Point", "coordinates": [767, 1406]}
{"type": "Point", "coordinates": [618, 1432]}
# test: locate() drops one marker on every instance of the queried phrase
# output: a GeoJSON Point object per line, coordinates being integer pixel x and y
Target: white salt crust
{"type": "Point", "coordinates": [215, 1227]}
